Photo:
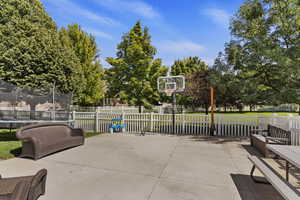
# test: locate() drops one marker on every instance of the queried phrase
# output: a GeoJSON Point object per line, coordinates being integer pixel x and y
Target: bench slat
{"type": "Point", "coordinates": [287, 191]}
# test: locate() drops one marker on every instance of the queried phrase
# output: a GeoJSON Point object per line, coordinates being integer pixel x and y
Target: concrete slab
{"type": "Point", "coordinates": [152, 167]}
{"type": "Point", "coordinates": [176, 190]}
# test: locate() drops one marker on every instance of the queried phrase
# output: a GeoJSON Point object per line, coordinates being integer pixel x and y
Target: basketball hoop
{"type": "Point", "coordinates": [169, 92]}
{"type": "Point", "coordinates": [170, 85]}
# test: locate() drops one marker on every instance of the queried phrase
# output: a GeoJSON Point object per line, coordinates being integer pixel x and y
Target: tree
{"type": "Point", "coordinates": [85, 48]}
{"type": "Point", "coordinates": [266, 46]}
{"type": "Point", "coordinates": [235, 88]}
{"type": "Point", "coordinates": [31, 53]}
{"type": "Point", "coordinates": [187, 67]}
{"type": "Point", "coordinates": [226, 83]}
{"type": "Point", "coordinates": [134, 71]}
{"type": "Point", "coordinates": [197, 89]}
{"type": "Point", "coordinates": [30, 50]}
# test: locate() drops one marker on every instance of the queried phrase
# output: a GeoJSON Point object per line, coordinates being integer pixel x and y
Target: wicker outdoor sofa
{"type": "Point", "coordinates": [42, 139]}
{"type": "Point", "coordinates": [23, 188]}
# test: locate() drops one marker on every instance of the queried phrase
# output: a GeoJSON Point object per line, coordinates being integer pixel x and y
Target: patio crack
{"type": "Point", "coordinates": [164, 168]}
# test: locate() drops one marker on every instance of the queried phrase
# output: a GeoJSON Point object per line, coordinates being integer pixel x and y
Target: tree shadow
{"type": "Point", "coordinates": [294, 172]}
{"type": "Point", "coordinates": [249, 190]}
{"type": "Point", "coordinates": [251, 150]}
{"type": "Point", "coordinates": [217, 139]}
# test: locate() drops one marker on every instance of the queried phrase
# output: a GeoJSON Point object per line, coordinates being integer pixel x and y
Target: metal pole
{"type": "Point", "coordinates": [173, 113]}
{"type": "Point", "coordinates": [212, 104]}
{"type": "Point", "coordinates": [53, 100]}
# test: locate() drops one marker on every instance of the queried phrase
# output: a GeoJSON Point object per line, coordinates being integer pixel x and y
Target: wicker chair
{"type": "Point", "coordinates": [23, 188]}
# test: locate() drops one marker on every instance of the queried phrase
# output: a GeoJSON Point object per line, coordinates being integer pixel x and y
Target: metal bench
{"type": "Point", "coordinates": [259, 138]}
{"type": "Point", "coordinates": [286, 190]}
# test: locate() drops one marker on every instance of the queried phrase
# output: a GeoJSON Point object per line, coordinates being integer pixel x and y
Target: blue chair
{"type": "Point", "coordinates": [117, 125]}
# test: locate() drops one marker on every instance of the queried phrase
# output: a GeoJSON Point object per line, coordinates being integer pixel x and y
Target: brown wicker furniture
{"type": "Point", "coordinates": [42, 139]}
{"type": "Point", "coordinates": [23, 188]}
{"type": "Point", "coordinates": [259, 138]}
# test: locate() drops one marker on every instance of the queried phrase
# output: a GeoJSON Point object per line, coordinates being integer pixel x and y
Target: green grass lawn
{"type": "Point", "coordinates": [255, 113]}
{"type": "Point", "coordinates": [10, 147]}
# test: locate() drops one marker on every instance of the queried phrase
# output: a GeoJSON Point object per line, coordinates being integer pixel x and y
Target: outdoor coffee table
{"type": "Point", "coordinates": [291, 155]}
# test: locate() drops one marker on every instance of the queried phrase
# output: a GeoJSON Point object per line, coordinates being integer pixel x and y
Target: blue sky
{"type": "Point", "coordinates": [179, 28]}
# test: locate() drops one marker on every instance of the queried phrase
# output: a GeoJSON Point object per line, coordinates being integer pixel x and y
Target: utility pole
{"type": "Point", "coordinates": [53, 101]}
{"type": "Point", "coordinates": [173, 112]}
{"type": "Point", "coordinates": [212, 107]}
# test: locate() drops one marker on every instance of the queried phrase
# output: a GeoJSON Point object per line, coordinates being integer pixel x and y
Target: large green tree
{"type": "Point", "coordinates": [192, 68]}
{"type": "Point", "coordinates": [188, 65]}
{"type": "Point", "coordinates": [134, 71]}
{"type": "Point", "coordinates": [31, 53]}
{"type": "Point", "coordinates": [267, 46]}
{"type": "Point", "coordinates": [197, 89]}
{"type": "Point", "coordinates": [85, 48]}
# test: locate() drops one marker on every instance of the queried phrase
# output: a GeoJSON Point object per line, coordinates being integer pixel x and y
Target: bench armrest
{"type": "Point", "coordinates": [34, 141]}
{"type": "Point", "coordinates": [77, 132]}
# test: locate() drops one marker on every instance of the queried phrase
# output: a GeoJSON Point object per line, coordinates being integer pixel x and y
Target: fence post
{"type": "Point", "coordinates": [290, 122]}
{"type": "Point", "coordinates": [74, 115]}
{"type": "Point", "coordinates": [151, 122]}
{"type": "Point", "coordinates": [183, 123]}
{"type": "Point", "coordinates": [96, 122]}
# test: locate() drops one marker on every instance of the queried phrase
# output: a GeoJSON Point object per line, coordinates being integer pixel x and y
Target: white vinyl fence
{"type": "Point", "coordinates": [186, 124]}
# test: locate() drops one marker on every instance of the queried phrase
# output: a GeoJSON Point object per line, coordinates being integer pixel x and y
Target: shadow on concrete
{"type": "Point", "coordinates": [249, 190]}
{"type": "Point", "coordinates": [294, 172]}
{"type": "Point", "coordinates": [251, 150]}
{"type": "Point", "coordinates": [16, 152]}
{"type": "Point", "coordinates": [217, 139]}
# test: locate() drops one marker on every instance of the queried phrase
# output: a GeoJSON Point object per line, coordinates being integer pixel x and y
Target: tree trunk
{"type": "Point", "coordinates": [206, 109]}
{"type": "Point", "coordinates": [32, 110]}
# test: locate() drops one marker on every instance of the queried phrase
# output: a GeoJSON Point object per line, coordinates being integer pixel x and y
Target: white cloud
{"type": "Point", "coordinates": [137, 7]}
{"type": "Point", "coordinates": [219, 16]}
{"type": "Point", "coordinates": [68, 7]}
{"type": "Point", "coordinates": [180, 47]}
{"type": "Point", "coordinates": [97, 33]}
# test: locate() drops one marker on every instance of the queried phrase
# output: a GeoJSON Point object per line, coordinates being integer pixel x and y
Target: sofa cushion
{"type": "Point", "coordinates": [49, 135]}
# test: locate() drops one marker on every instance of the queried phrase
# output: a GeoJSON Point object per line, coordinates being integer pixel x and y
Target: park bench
{"type": "Point", "coordinates": [259, 138]}
{"type": "Point", "coordinates": [284, 188]}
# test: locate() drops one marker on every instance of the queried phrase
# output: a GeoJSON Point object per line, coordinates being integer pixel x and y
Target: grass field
{"type": "Point", "coordinates": [10, 147]}
{"type": "Point", "coordinates": [256, 113]}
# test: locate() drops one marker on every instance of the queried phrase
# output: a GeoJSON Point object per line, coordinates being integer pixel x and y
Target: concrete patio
{"type": "Point", "coordinates": [152, 167]}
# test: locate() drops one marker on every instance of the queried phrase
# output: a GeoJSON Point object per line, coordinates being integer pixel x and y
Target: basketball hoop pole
{"type": "Point", "coordinates": [173, 112]}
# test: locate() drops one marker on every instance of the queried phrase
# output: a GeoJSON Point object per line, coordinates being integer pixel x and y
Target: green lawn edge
{"type": "Point", "coordinates": [10, 147]}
